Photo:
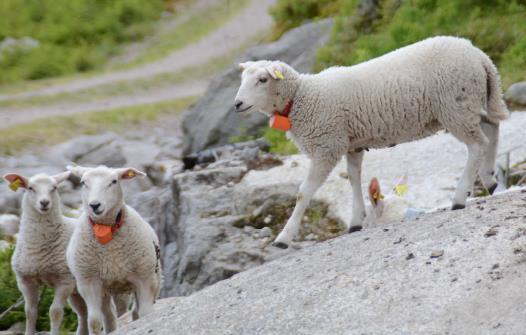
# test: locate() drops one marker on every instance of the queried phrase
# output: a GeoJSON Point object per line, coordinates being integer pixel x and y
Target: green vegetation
{"type": "Point", "coordinates": [9, 294]}
{"type": "Point", "coordinates": [72, 36]}
{"type": "Point", "coordinates": [53, 130]}
{"type": "Point", "coordinates": [496, 26]}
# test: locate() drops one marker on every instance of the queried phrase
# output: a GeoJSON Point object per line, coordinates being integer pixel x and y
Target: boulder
{"type": "Point", "coordinates": [212, 121]}
{"type": "Point", "coordinates": [451, 272]}
{"type": "Point", "coordinates": [516, 94]}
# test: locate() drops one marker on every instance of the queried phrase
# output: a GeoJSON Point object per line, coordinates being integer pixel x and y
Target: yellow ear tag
{"type": "Point", "coordinates": [131, 174]}
{"type": "Point", "coordinates": [15, 185]}
{"type": "Point", "coordinates": [400, 189]}
{"type": "Point", "coordinates": [279, 74]}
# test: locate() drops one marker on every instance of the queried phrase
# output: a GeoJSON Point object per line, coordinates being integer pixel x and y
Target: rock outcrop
{"type": "Point", "coordinates": [213, 121]}
{"type": "Point", "coordinates": [516, 94]}
{"type": "Point", "coordinates": [454, 272]}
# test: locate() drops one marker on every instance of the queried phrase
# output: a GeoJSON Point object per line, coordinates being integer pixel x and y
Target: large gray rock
{"type": "Point", "coordinates": [213, 121]}
{"type": "Point", "coordinates": [211, 226]}
{"type": "Point", "coordinates": [459, 272]}
{"type": "Point", "coordinates": [516, 94]}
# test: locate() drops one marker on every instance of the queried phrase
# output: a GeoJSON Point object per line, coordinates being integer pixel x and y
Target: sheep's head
{"type": "Point", "coordinates": [262, 86]}
{"type": "Point", "coordinates": [102, 194]}
{"type": "Point", "coordinates": [376, 197]}
{"type": "Point", "coordinates": [41, 190]}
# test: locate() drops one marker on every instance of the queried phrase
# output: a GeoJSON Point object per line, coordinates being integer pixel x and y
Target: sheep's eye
{"type": "Point", "coordinates": [31, 189]}
{"type": "Point", "coordinates": [263, 80]}
{"type": "Point", "coordinates": [113, 182]}
{"type": "Point", "coordinates": [83, 183]}
{"type": "Point", "coordinates": [54, 189]}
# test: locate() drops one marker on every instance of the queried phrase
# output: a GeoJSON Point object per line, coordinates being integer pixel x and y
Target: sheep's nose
{"type": "Point", "coordinates": [94, 205]}
{"type": "Point", "coordinates": [238, 104]}
{"type": "Point", "coordinates": [44, 203]}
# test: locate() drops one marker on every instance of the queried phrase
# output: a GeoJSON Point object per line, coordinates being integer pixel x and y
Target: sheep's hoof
{"type": "Point", "coordinates": [492, 188]}
{"type": "Point", "coordinates": [280, 245]}
{"type": "Point", "coordinates": [354, 229]}
{"type": "Point", "coordinates": [457, 206]}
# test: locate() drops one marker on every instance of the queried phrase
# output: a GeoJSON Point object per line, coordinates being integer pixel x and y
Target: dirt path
{"type": "Point", "coordinates": [251, 21]}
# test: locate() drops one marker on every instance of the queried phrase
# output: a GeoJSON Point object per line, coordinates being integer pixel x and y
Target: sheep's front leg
{"type": "Point", "coordinates": [92, 293]}
{"type": "Point", "coordinates": [29, 288]}
{"type": "Point", "coordinates": [354, 170]}
{"type": "Point", "coordinates": [318, 172]}
{"type": "Point", "coordinates": [144, 294]}
{"type": "Point", "coordinates": [56, 310]}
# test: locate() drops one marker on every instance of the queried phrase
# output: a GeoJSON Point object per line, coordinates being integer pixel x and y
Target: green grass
{"type": "Point", "coordinates": [74, 36]}
{"type": "Point", "coordinates": [496, 26]}
{"type": "Point", "coordinates": [192, 29]}
{"type": "Point", "coordinates": [53, 130]}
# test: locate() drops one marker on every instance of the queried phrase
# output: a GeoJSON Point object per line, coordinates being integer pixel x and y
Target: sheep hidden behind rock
{"type": "Point", "coordinates": [408, 94]}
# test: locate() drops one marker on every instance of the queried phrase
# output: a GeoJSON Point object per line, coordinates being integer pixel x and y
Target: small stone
{"type": "Point", "coordinates": [294, 164]}
{"type": "Point", "coordinates": [267, 219]}
{"type": "Point", "coordinates": [265, 232]}
{"type": "Point", "coordinates": [491, 232]}
{"type": "Point", "coordinates": [310, 237]}
{"type": "Point", "coordinates": [410, 256]}
{"type": "Point", "coordinates": [306, 218]}
{"type": "Point", "coordinates": [344, 175]}
{"type": "Point", "coordinates": [437, 253]}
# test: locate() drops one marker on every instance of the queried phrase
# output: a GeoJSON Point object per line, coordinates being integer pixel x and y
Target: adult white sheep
{"type": "Point", "coordinates": [113, 250]}
{"type": "Point", "coordinates": [407, 94]}
{"type": "Point", "coordinates": [40, 252]}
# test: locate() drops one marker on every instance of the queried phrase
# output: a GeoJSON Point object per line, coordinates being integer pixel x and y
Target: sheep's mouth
{"type": "Point", "coordinates": [245, 109]}
{"type": "Point", "coordinates": [97, 212]}
{"type": "Point", "coordinates": [44, 209]}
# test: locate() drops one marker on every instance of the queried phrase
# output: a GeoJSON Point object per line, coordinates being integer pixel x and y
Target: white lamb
{"type": "Point", "coordinates": [40, 252]}
{"type": "Point", "coordinates": [113, 250]}
{"type": "Point", "coordinates": [405, 95]}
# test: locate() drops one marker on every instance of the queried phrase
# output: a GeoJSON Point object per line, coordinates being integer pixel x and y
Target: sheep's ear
{"type": "Point", "coordinates": [276, 71]}
{"type": "Point", "coordinates": [400, 189]}
{"type": "Point", "coordinates": [77, 170]}
{"type": "Point", "coordinates": [375, 194]}
{"type": "Point", "coordinates": [130, 173]}
{"type": "Point", "coordinates": [245, 65]}
{"type": "Point", "coordinates": [15, 181]}
{"type": "Point", "coordinates": [60, 177]}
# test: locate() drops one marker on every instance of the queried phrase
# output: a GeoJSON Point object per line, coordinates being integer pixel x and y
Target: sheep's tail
{"type": "Point", "coordinates": [496, 108]}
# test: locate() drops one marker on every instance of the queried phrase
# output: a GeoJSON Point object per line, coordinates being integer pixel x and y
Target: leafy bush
{"type": "Point", "coordinates": [9, 294]}
{"type": "Point", "coordinates": [496, 26]}
{"type": "Point", "coordinates": [73, 35]}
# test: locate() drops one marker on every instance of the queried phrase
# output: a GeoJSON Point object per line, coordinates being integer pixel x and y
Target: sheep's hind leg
{"type": "Point", "coordinates": [79, 306]}
{"type": "Point", "coordinates": [56, 310]}
{"type": "Point", "coordinates": [487, 169]}
{"type": "Point", "coordinates": [29, 288]}
{"type": "Point", "coordinates": [475, 142]}
{"type": "Point", "coordinates": [108, 314]}
{"type": "Point", "coordinates": [354, 170]}
{"type": "Point", "coordinates": [318, 172]}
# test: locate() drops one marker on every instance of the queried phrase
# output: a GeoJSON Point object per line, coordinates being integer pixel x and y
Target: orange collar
{"type": "Point", "coordinates": [104, 233]}
{"type": "Point", "coordinates": [280, 120]}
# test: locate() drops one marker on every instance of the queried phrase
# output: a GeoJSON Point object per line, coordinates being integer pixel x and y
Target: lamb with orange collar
{"type": "Point", "coordinates": [113, 250]}
{"type": "Point", "coordinates": [408, 94]}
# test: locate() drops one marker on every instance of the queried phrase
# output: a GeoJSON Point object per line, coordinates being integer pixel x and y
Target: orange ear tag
{"type": "Point", "coordinates": [279, 122]}
{"type": "Point", "coordinates": [102, 233]}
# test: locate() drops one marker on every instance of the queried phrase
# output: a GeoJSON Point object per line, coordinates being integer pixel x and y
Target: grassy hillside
{"type": "Point", "coordinates": [496, 26]}
{"type": "Point", "coordinates": [69, 35]}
